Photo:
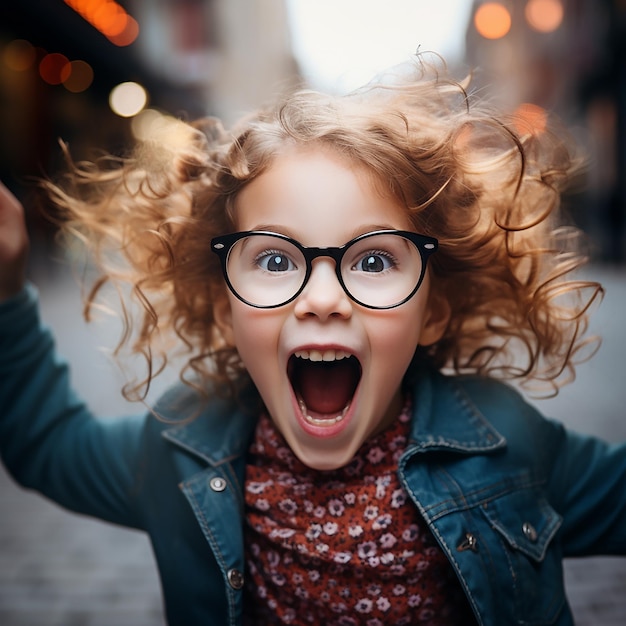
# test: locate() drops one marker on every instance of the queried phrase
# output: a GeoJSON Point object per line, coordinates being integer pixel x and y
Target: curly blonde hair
{"type": "Point", "coordinates": [487, 187]}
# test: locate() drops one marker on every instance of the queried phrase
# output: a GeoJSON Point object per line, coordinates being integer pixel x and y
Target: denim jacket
{"type": "Point", "coordinates": [506, 492]}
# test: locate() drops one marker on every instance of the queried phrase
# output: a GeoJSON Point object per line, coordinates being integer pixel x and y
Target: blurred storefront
{"type": "Point", "coordinates": [191, 58]}
{"type": "Point", "coordinates": [566, 57]}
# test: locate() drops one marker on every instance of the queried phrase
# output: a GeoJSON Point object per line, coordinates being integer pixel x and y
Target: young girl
{"type": "Point", "coordinates": [348, 278]}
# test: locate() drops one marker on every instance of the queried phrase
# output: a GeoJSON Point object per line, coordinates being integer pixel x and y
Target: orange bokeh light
{"type": "Point", "coordinates": [128, 35]}
{"type": "Point", "coordinates": [109, 18]}
{"type": "Point", "coordinates": [544, 16]}
{"type": "Point", "coordinates": [530, 119]}
{"type": "Point", "coordinates": [52, 68]}
{"type": "Point", "coordinates": [492, 20]}
{"type": "Point", "coordinates": [20, 55]}
{"type": "Point", "coordinates": [77, 76]}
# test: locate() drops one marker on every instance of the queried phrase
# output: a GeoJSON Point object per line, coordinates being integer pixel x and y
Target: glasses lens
{"type": "Point", "coordinates": [381, 270]}
{"type": "Point", "coordinates": [265, 270]}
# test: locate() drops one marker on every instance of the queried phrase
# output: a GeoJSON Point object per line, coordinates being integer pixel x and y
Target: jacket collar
{"type": "Point", "coordinates": [445, 418]}
{"type": "Point", "coordinates": [217, 430]}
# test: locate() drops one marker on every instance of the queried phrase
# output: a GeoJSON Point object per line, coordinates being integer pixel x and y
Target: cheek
{"type": "Point", "coordinates": [255, 336]}
{"type": "Point", "coordinates": [395, 337]}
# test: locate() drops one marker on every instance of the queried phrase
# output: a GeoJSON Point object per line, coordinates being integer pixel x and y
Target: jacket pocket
{"type": "Point", "coordinates": [526, 525]}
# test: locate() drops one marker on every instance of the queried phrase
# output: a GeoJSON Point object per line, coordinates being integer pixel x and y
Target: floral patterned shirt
{"type": "Point", "coordinates": [343, 547]}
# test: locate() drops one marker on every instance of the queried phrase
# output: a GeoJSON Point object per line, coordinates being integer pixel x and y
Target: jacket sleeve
{"type": "Point", "coordinates": [588, 484]}
{"type": "Point", "coordinates": [49, 441]}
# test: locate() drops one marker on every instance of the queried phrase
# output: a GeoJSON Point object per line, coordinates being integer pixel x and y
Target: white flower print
{"type": "Point", "coordinates": [313, 575]}
{"type": "Point", "coordinates": [262, 504]}
{"type": "Point", "coordinates": [366, 549]}
{"type": "Point", "coordinates": [375, 455]}
{"type": "Point", "coordinates": [322, 548]}
{"type": "Point", "coordinates": [256, 487]}
{"type": "Point", "coordinates": [342, 557]}
{"type": "Point", "coordinates": [383, 603]}
{"type": "Point", "coordinates": [350, 498]}
{"type": "Point", "coordinates": [398, 590]}
{"type": "Point", "coordinates": [314, 531]}
{"type": "Point", "coordinates": [415, 600]}
{"type": "Point", "coordinates": [301, 592]}
{"type": "Point", "coordinates": [331, 528]}
{"type": "Point", "coordinates": [383, 521]}
{"type": "Point", "coordinates": [364, 605]}
{"type": "Point", "coordinates": [319, 511]}
{"type": "Point", "coordinates": [382, 482]}
{"type": "Point", "coordinates": [398, 498]}
{"type": "Point", "coordinates": [387, 558]}
{"type": "Point", "coordinates": [388, 540]}
{"type": "Point", "coordinates": [355, 531]}
{"type": "Point", "coordinates": [371, 512]}
{"type": "Point", "coordinates": [411, 533]}
{"type": "Point", "coordinates": [282, 533]}
{"type": "Point", "coordinates": [374, 589]}
{"type": "Point", "coordinates": [288, 506]}
{"type": "Point", "coordinates": [336, 507]}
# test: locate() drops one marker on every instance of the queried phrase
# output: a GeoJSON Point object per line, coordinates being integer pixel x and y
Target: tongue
{"type": "Point", "coordinates": [326, 388]}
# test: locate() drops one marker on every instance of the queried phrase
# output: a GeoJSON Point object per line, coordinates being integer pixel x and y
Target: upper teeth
{"type": "Point", "coordinates": [322, 355]}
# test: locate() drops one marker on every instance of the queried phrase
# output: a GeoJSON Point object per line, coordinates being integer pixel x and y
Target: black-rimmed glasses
{"type": "Point", "coordinates": [378, 270]}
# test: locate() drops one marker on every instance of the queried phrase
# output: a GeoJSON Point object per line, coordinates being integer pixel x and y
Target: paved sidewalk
{"type": "Point", "coordinates": [61, 569]}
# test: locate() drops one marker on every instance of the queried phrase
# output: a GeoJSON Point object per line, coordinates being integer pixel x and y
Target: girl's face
{"type": "Point", "coordinates": [326, 411]}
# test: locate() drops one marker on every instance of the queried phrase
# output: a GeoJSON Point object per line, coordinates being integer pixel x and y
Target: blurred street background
{"type": "Point", "coordinates": [97, 73]}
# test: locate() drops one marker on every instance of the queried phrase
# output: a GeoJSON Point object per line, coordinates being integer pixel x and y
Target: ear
{"type": "Point", "coordinates": [224, 320]}
{"type": "Point", "coordinates": [438, 313]}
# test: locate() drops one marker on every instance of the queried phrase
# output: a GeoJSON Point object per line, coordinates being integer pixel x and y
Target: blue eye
{"type": "Point", "coordinates": [375, 262]}
{"type": "Point", "coordinates": [275, 261]}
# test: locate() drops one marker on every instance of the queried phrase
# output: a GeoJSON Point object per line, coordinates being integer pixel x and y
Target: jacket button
{"type": "Point", "coordinates": [469, 542]}
{"type": "Point", "coordinates": [529, 531]}
{"type": "Point", "coordinates": [217, 484]}
{"type": "Point", "coordinates": [235, 578]}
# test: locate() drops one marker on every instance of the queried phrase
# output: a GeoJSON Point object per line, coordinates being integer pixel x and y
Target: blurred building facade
{"type": "Point", "coordinates": [567, 57]}
{"type": "Point", "coordinates": [194, 58]}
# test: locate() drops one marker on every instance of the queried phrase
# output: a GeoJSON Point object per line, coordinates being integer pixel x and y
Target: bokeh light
{"type": "Point", "coordinates": [492, 20]}
{"type": "Point", "coordinates": [530, 119]}
{"type": "Point", "coordinates": [544, 16]}
{"type": "Point", "coordinates": [109, 18]}
{"type": "Point", "coordinates": [53, 67]}
{"type": "Point", "coordinates": [128, 99]}
{"type": "Point", "coordinates": [77, 76]}
{"type": "Point", "coordinates": [126, 36]}
{"type": "Point", "coordinates": [19, 55]}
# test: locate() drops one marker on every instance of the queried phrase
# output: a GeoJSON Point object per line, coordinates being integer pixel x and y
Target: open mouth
{"type": "Point", "coordinates": [324, 383]}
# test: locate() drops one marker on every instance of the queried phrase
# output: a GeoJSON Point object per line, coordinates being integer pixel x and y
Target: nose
{"type": "Point", "coordinates": [323, 296]}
